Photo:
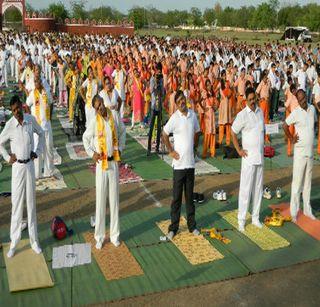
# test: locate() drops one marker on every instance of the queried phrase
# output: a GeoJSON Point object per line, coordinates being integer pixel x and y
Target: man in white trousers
{"type": "Point", "coordinates": [250, 123]}
{"type": "Point", "coordinates": [303, 118]}
{"type": "Point", "coordinates": [40, 105]}
{"type": "Point", "coordinates": [19, 131]}
{"type": "Point", "coordinates": [101, 143]}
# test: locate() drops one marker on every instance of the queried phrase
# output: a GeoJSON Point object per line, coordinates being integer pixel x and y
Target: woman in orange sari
{"type": "Point", "coordinates": [210, 105]}
{"type": "Point", "coordinates": [225, 109]}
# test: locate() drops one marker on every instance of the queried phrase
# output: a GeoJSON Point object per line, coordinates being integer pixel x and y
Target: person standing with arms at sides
{"type": "Point", "coordinates": [250, 123]}
{"type": "Point", "coordinates": [157, 96]}
{"type": "Point", "coordinates": [303, 118]}
{"type": "Point", "coordinates": [91, 87]}
{"type": "Point", "coordinates": [19, 130]}
{"type": "Point", "coordinates": [184, 126]}
{"type": "Point", "coordinates": [40, 108]}
{"type": "Point", "coordinates": [101, 144]}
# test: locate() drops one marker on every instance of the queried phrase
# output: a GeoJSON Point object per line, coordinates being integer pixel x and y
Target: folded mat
{"type": "Point", "coordinates": [308, 225]}
{"type": "Point", "coordinates": [265, 238]}
{"type": "Point", "coordinates": [114, 262]}
{"type": "Point", "coordinates": [197, 249]}
{"type": "Point", "coordinates": [26, 270]}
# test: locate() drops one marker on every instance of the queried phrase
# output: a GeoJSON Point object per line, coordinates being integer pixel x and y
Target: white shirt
{"type": "Point", "coordinates": [94, 88]}
{"type": "Point", "coordinates": [21, 138]}
{"type": "Point", "coordinates": [302, 79]}
{"type": "Point", "coordinates": [316, 92]}
{"type": "Point", "coordinates": [183, 128]}
{"type": "Point", "coordinates": [90, 138]}
{"type": "Point", "coordinates": [303, 122]}
{"type": "Point", "coordinates": [251, 125]}
{"type": "Point", "coordinates": [31, 102]}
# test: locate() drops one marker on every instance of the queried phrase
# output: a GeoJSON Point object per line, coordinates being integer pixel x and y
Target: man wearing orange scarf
{"type": "Point", "coordinates": [101, 143]}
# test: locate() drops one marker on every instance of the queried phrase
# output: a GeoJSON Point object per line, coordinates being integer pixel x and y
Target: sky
{"type": "Point", "coordinates": [164, 5]}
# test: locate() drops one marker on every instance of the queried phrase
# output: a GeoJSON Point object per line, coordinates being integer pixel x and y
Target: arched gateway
{"type": "Point", "coordinates": [18, 4]}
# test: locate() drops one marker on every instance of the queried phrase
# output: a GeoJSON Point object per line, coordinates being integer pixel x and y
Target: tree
{"type": "Point", "coordinates": [196, 17]}
{"type": "Point", "coordinates": [137, 15]}
{"type": "Point", "coordinates": [58, 10]}
{"type": "Point", "coordinates": [209, 16]}
{"type": "Point", "coordinates": [105, 12]}
{"type": "Point", "coordinates": [264, 17]}
{"type": "Point", "coordinates": [78, 9]}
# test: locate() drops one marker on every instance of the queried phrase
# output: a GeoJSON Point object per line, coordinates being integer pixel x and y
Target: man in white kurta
{"type": "Point", "coordinates": [303, 118]}
{"type": "Point", "coordinates": [39, 103]}
{"type": "Point", "coordinates": [91, 87]}
{"type": "Point", "coordinates": [102, 129]}
{"type": "Point", "coordinates": [250, 123]}
{"type": "Point", "coordinates": [19, 130]}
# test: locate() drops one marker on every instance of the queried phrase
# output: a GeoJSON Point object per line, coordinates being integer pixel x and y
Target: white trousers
{"type": "Point", "coordinates": [17, 72]}
{"type": "Point", "coordinates": [107, 186]}
{"type": "Point", "coordinates": [5, 74]}
{"type": "Point", "coordinates": [251, 189]}
{"type": "Point", "coordinates": [90, 114]}
{"type": "Point", "coordinates": [12, 66]}
{"type": "Point", "coordinates": [23, 188]}
{"type": "Point", "coordinates": [301, 182]}
{"type": "Point", "coordinates": [45, 159]}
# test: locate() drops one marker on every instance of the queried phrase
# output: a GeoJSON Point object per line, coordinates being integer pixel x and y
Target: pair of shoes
{"type": "Point", "coordinates": [196, 232]}
{"type": "Point", "coordinates": [99, 245]}
{"type": "Point", "coordinates": [92, 221]}
{"type": "Point", "coordinates": [257, 224]}
{"type": "Point", "coordinates": [293, 219]}
{"type": "Point", "coordinates": [36, 248]}
{"type": "Point", "coordinates": [198, 198]}
{"type": "Point", "coordinates": [220, 195]}
{"type": "Point", "coordinates": [267, 194]}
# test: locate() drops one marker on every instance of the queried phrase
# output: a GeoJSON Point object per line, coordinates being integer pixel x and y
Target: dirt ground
{"type": "Point", "coordinates": [296, 285]}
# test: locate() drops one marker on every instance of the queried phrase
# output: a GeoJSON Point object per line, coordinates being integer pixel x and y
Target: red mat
{"type": "Point", "coordinates": [308, 225]}
{"type": "Point", "coordinates": [126, 174]}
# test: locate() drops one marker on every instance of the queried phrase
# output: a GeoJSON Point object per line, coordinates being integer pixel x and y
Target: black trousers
{"type": "Point", "coordinates": [183, 180]}
{"type": "Point", "coordinates": [154, 114]}
{"type": "Point", "coordinates": [274, 103]}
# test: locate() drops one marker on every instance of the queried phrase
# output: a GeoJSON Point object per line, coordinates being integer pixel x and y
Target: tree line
{"type": "Point", "coordinates": [267, 15]}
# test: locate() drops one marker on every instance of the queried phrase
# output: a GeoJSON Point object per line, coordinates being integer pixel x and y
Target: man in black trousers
{"type": "Point", "coordinates": [184, 126]}
{"type": "Point", "coordinates": [157, 96]}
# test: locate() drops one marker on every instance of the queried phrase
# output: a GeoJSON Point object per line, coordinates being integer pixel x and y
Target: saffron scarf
{"type": "Point", "coordinates": [102, 142]}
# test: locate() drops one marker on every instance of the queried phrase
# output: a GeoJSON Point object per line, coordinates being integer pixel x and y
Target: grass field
{"type": "Point", "coordinates": [251, 38]}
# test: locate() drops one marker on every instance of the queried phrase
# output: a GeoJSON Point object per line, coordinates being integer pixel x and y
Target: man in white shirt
{"type": "Point", "coordinates": [101, 144]}
{"type": "Point", "coordinates": [19, 131]}
{"type": "Point", "coordinates": [274, 81]}
{"type": "Point", "coordinates": [303, 118]}
{"type": "Point", "coordinates": [40, 105]}
{"type": "Point", "coordinates": [184, 126]}
{"type": "Point", "coordinates": [119, 82]}
{"type": "Point", "coordinates": [250, 122]}
{"type": "Point", "coordinates": [302, 77]}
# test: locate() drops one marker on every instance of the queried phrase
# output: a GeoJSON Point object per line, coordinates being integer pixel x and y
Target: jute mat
{"type": "Point", "coordinates": [114, 262]}
{"type": "Point", "coordinates": [196, 249]}
{"type": "Point", "coordinates": [308, 225]}
{"type": "Point", "coordinates": [265, 238]}
{"type": "Point", "coordinates": [26, 270]}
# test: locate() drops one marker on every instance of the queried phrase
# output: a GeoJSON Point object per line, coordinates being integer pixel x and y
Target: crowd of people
{"type": "Point", "coordinates": [103, 81]}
